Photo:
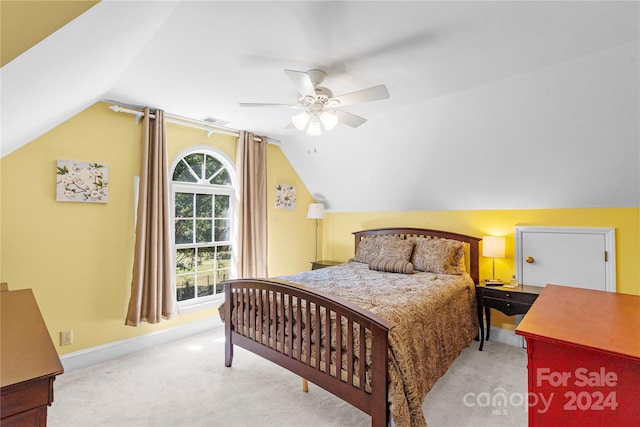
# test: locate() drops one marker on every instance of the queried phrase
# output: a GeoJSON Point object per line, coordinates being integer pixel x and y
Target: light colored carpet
{"type": "Point", "coordinates": [185, 383]}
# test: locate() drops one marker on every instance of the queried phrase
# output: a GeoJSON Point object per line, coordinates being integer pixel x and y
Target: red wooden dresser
{"type": "Point", "coordinates": [29, 362]}
{"type": "Point", "coordinates": [584, 357]}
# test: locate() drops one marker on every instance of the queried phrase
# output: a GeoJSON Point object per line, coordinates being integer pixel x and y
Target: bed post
{"type": "Point", "coordinates": [228, 343]}
{"type": "Point", "coordinates": [474, 263]}
{"type": "Point", "coordinates": [379, 366]}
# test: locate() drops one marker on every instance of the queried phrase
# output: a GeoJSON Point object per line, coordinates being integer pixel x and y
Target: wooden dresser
{"type": "Point", "coordinates": [29, 362]}
{"type": "Point", "coordinates": [584, 357]}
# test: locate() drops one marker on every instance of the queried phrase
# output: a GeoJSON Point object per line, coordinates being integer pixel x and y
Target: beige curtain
{"type": "Point", "coordinates": [152, 295]}
{"type": "Point", "coordinates": [251, 211]}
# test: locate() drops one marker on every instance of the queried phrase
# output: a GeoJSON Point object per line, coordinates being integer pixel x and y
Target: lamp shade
{"type": "Point", "coordinates": [316, 211]}
{"type": "Point", "coordinates": [329, 119]}
{"type": "Point", "coordinates": [314, 127]}
{"type": "Point", "coordinates": [300, 120]}
{"type": "Point", "coordinates": [493, 246]}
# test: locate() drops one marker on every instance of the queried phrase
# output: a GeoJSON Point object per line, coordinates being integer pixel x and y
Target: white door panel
{"type": "Point", "coordinates": [566, 256]}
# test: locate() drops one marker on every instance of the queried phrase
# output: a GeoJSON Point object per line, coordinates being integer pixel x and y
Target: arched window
{"type": "Point", "coordinates": [202, 188]}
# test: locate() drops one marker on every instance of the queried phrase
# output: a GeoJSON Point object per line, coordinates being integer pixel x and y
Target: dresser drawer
{"type": "Point", "coordinates": [508, 307]}
{"type": "Point", "coordinates": [25, 396]}
{"type": "Point", "coordinates": [520, 297]}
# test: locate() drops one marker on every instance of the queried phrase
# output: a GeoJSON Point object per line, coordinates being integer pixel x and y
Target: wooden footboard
{"type": "Point", "coordinates": [310, 333]}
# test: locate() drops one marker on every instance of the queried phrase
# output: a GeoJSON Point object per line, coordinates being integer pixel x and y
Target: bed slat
{"type": "Point", "coordinates": [298, 329]}
{"type": "Point", "coordinates": [316, 327]}
{"type": "Point", "coordinates": [307, 332]}
{"type": "Point", "coordinates": [350, 351]}
{"type": "Point", "coordinates": [281, 324]}
{"type": "Point", "coordinates": [363, 358]}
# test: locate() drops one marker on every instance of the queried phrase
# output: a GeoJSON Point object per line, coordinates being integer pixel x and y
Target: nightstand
{"type": "Point", "coordinates": [316, 265]}
{"type": "Point", "coordinates": [510, 301]}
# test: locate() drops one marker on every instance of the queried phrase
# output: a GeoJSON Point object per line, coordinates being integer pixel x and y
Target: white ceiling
{"type": "Point", "coordinates": [494, 105]}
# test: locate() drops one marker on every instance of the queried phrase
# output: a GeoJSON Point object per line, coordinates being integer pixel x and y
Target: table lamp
{"type": "Point", "coordinates": [493, 247]}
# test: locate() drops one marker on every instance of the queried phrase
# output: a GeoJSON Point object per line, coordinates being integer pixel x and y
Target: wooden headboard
{"type": "Point", "coordinates": [471, 243]}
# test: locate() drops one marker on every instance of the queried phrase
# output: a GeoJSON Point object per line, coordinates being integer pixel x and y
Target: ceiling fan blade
{"type": "Point", "coordinates": [350, 119]}
{"type": "Point", "coordinates": [365, 95]}
{"type": "Point", "coordinates": [257, 104]}
{"type": "Point", "coordinates": [302, 82]}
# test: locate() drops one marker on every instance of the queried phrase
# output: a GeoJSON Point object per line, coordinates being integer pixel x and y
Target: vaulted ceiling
{"type": "Point", "coordinates": [494, 105]}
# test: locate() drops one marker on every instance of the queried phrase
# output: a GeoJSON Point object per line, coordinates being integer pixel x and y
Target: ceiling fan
{"type": "Point", "coordinates": [320, 106]}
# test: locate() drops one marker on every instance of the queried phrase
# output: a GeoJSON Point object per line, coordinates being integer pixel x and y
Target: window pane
{"type": "Point", "coordinates": [224, 257]}
{"type": "Point", "coordinates": [182, 173]}
{"type": "Point", "coordinates": [203, 205]}
{"type": "Point", "coordinates": [222, 275]}
{"type": "Point", "coordinates": [185, 260]}
{"type": "Point", "coordinates": [205, 284]}
{"type": "Point", "coordinates": [222, 178]}
{"type": "Point", "coordinates": [205, 259]}
{"type": "Point", "coordinates": [222, 206]}
{"type": "Point", "coordinates": [203, 230]}
{"type": "Point", "coordinates": [223, 233]}
{"type": "Point", "coordinates": [184, 205]}
{"type": "Point", "coordinates": [184, 231]}
{"type": "Point", "coordinates": [219, 288]}
{"type": "Point", "coordinates": [185, 287]}
{"type": "Point", "coordinates": [212, 166]}
{"type": "Point", "coordinates": [195, 162]}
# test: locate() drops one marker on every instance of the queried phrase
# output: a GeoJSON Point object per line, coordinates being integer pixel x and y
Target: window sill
{"type": "Point", "coordinates": [190, 308]}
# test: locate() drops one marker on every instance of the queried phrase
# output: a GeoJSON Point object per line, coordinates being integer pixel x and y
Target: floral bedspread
{"type": "Point", "coordinates": [434, 317]}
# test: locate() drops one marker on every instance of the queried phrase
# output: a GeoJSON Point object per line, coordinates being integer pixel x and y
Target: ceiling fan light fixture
{"type": "Point", "coordinates": [314, 128]}
{"type": "Point", "coordinates": [320, 107]}
{"type": "Point", "coordinates": [300, 120]}
{"type": "Point", "coordinates": [329, 119]}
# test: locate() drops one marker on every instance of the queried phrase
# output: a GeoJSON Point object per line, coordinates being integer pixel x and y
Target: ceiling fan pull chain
{"type": "Point", "coordinates": [312, 149]}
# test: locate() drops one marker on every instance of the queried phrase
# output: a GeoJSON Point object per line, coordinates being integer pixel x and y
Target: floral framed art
{"type": "Point", "coordinates": [82, 182]}
{"type": "Point", "coordinates": [285, 196]}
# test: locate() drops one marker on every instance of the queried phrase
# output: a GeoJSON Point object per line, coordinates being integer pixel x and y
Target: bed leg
{"type": "Point", "coordinates": [305, 385]}
{"type": "Point", "coordinates": [228, 343]}
{"type": "Point", "coordinates": [380, 418]}
{"type": "Point", "coordinates": [228, 354]}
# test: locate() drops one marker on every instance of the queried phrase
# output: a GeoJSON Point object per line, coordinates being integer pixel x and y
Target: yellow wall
{"type": "Point", "coordinates": [77, 257]}
{"type": "Point", "coordinates": [338, 240]}
{"type": "Point", "coordinates": [23, 24]}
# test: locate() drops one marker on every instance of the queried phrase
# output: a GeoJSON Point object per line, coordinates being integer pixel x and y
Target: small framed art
{"type": "Point", "coordinates": [285, 196]}
{"type": "Point", "coordinates": [82, 182]}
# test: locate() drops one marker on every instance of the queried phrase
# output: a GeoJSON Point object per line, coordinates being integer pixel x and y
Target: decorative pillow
{"type": "Point", "coordinates": [441, 256]}
{"type": "Point", "coordinates": [369, 247]}
{"type": "Point", "coordinates": [462, 265]}
{"type": "Point", "coordinates": [398, 249]}
{"type": "Point", "coordinates": [391, 265]}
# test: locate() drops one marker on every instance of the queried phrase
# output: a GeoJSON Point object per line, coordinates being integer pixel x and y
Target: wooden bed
{"type": "Point", "coordinates": [296, 327]}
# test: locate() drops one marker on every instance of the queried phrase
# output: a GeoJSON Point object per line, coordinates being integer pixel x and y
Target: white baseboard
{"type": "Point", "coordinates": [505, 336]}
{"type": "Point", "coordinates": [113, 350]}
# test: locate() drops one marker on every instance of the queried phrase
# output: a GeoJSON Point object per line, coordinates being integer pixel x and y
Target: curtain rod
{"type": "Point", "coordinates": [185, 121]}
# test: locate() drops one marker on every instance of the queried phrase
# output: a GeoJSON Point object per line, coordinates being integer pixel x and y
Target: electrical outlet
{"type": "Point", "coordinates": [66, 337]}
